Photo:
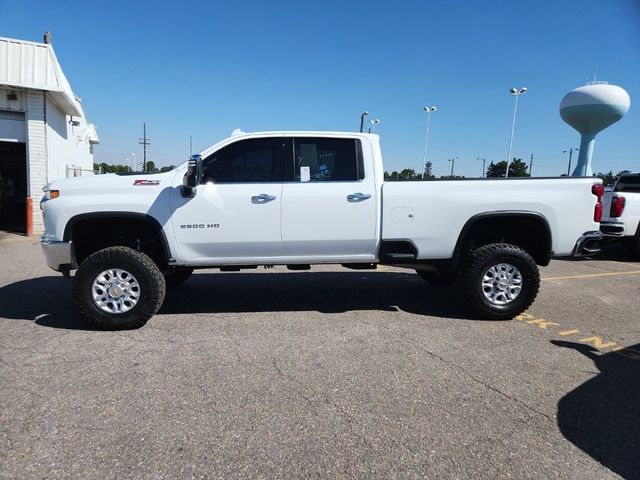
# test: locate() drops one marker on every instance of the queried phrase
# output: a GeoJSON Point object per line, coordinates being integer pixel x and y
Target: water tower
{"type": "Point", "coordinates": [589, 110]}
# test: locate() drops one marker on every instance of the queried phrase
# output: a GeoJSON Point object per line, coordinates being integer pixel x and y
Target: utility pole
{"type": "Point", "coordinates": [144, 141]}
{"type": "Point", "coordinates": [570, 153]}
{"type": "Point", "coordinates": [531, 165]}
{"type": "Point", "coordinates": [190, 147]}
{"type": "Point", "coordinates": [362, 115]}
{"type": "Point", "coordinates": [453, 162]}
{"type": "Point", "coordinates": [484, 165]}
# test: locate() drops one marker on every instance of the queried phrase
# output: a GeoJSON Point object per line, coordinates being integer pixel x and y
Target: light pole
{"type": "Point", "coordinates": [516, 93]}
{"type": "Point", "coordinates": [135, 165]}
{"type": "Point", "coordinates": [570, 154]}
{"type": "Point", "coordinates": [453, 162]}
{"type": "Point", "coordinates": [374, 122]}
{"type": "Point", "coordinates": [484, 162]}
{"type": "Point", "coordinates": [429, 111]}
{"type": "Point", "coordinates": [362, 115]}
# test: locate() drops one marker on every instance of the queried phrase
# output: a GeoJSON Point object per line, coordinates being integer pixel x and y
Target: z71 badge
{"type": "Point", "coordinates": [146, 182]}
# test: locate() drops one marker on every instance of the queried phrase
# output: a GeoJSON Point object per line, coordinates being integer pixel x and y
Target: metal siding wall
{"type": "Point", "coordinates": [36, 153]}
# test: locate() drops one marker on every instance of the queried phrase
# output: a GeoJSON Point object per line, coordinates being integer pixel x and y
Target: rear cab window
{"type": "Point", "coordinates": [318, 159]}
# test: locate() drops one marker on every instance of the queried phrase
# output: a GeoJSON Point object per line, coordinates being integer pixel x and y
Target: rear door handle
{"type": "Point", "coordinates": [357, 197]}
{"type": "Point", "coordinates": [262, 198]}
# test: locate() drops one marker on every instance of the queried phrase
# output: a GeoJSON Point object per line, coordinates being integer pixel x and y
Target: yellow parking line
{"type": "Point", "coordinates": [590, 275]}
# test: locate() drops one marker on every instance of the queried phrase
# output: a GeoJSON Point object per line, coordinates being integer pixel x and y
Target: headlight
{"type": "Point", "coordinates": [48, 195]}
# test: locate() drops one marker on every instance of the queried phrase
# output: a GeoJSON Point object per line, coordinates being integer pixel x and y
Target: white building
{"type": "Point", "coordinates": [44, 134]}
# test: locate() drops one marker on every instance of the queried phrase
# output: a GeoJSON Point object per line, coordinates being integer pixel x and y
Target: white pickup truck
{"type": "Point", "coordinates": [621, 217]}
{"type": "Point", "coordinates": [302, 198]}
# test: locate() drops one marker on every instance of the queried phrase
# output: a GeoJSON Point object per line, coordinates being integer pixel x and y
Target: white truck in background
{"type": "Point", "coordinates": [303, 198]}
{"type": "Point", "coordinates": [621, 217]}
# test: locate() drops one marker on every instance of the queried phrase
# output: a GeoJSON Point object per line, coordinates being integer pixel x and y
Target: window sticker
{"type": "Point", "coordinates": [305, 174]}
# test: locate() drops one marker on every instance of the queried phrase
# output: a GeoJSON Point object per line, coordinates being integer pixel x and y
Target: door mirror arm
{"type": "Point", "coordinates": [192, 177]}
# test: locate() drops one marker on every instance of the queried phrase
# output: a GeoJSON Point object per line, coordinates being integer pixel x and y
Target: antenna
{"type": "Point", "coordinates": [144, 141]}
{"type": "Point", "coordinates": [595, 74]}
{"type": "Point", "coordinates": [190, 147]}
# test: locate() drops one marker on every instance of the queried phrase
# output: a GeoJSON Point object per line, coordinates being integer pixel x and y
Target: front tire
{"type": "Point", "coordinates": [118, 288]}
{"type": "Point", "coordinates": [500, 281]}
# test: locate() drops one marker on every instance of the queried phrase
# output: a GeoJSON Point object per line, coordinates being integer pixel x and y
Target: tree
{"type": "Point", "coordinates": [106, 168]}
{"type": "Point", "coordinates": [610, 178]}
{"type": "Point", "coordinates": [428, 171]}
{"type": "Point", "coordinates": [407, 174]}
{"type": "Point", "coordinates": [151, 167]}
{"type": "Point", "coordinates": [517, 168]}
{"type": "Point", "coordinates": [167, 169]}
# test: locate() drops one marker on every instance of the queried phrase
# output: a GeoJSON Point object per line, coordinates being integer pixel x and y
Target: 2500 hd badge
{"type": "Point", "coordinates": [200, 225]}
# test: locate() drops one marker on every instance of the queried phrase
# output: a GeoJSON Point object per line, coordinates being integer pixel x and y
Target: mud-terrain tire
{"type": "Point", "coordinates": [499, 281]}
{"type": "Point", "coordinates": [437, 278]}
{"type": "Point", "coordinates": [118, 288]}
{"type": "Point", "coordinates": [177, 275]}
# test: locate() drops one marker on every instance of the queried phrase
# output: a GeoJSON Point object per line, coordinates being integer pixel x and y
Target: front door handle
{"type": "Point", "coordinates": [262, 198]}
{"type": "Point", "coordinates": [357, 197]}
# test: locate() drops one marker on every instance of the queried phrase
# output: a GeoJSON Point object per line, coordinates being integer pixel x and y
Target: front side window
{"type": "Point", "coordinates": [327, 159]}
{"type": "Point", "coordinates": [247, 161]}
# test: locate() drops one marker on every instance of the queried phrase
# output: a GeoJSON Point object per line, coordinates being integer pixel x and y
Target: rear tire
{"type": "Point", "coordinates": [633, 246]}
{"type": "Point", "coordinates": [177, 275]}
{"type": "Point", "coordinates": [118, 288]}
{"type": "Point", "coordinates": [500, 281]}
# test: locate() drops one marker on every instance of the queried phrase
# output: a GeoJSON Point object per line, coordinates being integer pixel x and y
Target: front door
{"type": "Point", "coordinates": [329, 210]}
{"type": "Point", "coordinates": [235, 214]}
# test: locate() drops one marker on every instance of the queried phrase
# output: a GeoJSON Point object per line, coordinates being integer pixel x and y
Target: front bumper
{"type": "Point", "coordinates": [58, 254]}
{"type": "Point", "coordinates": [587, 244]}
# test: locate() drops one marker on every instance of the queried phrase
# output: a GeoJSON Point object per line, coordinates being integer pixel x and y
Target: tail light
{"type": "Point", "coordinates": [617, 206]}
{"type": "Point", "coordinates": [598, 191]}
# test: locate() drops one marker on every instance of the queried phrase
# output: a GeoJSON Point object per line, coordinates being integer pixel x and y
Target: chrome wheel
{"type": "Point", "coordinates": [115, 291]}
{"type": "Point", "coordinates": [502, 283]}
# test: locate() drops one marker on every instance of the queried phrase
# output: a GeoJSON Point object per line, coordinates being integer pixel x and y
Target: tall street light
{"type": "Point", "coordinates": [429, 111]}
{"type": "Point", "coordinates": [362, 115]}
{"type": "Point", "coordinates": [374, 122]}
{"type": "Point", "coordinates": [453, 162]}
{"type": "Point", "coordinates": [570, 153]}
{"type": "Point", "coordinates": [484, 163]}
{"type": "Point", "coordinates": [516, 93]}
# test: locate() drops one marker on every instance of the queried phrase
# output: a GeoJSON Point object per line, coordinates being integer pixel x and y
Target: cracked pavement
{"type": "Point", "coordinates": [323, 374]}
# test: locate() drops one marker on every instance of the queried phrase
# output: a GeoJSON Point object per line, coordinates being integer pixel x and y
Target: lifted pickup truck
{"type": "Point", "coordinates": [302, 198]}
{"type": "Point", "coordinates": [621, 218]}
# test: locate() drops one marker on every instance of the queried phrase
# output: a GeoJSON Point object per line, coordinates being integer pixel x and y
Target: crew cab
{"type": "Point", "coordinates": [304, 198]}
{"type": "Point", "coordinates": [621, 218]}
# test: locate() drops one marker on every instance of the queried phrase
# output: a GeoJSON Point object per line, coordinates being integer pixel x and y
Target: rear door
{"type": "Point", "coordinates": [235, 213]}
{"type": "Point", "coordinates": [329, 203]}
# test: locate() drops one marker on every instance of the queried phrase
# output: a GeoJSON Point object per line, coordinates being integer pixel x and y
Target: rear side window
{"type": "Point", "coordinates": [247, 161]}
{"type": "Point", "coordinates": [628, 183]}
{"type": "Point", "coordinates": [327, 160]}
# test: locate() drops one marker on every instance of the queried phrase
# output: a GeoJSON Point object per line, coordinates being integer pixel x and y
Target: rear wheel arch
{"type": "Point", "coordinates": [527, 230]}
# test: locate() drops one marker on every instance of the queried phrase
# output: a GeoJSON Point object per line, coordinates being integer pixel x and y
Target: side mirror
{"type": "Point", "coordinates": [192, 177]}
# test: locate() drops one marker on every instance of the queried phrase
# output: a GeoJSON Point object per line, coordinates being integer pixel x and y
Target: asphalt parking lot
{"type": "Point", "coordinates": [330, 373]}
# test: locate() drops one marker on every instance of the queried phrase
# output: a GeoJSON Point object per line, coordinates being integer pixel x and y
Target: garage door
{"type": "Point", "coordinates": [12, 127]}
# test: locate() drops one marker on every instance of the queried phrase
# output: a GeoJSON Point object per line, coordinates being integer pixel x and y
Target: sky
{"type": "Point", "coordinates": [204, 68]}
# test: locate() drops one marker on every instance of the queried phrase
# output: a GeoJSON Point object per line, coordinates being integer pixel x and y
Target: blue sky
{"type": "Point", "coordinates": [204, 68]}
